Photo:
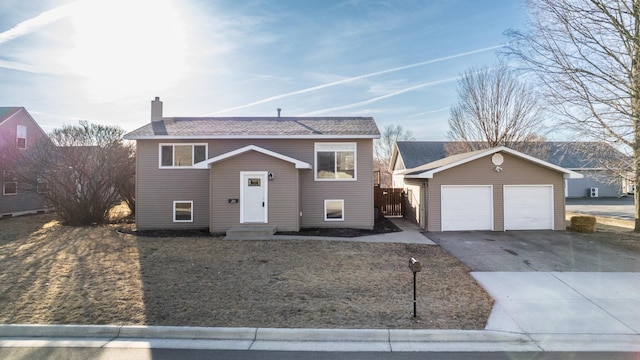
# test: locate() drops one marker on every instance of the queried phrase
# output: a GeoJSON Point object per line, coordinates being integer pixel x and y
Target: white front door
{"type": "Point", "coordinates": [253, 197]}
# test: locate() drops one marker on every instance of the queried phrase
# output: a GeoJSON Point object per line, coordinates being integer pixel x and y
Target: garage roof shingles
{"type": "Point", "coordinates": [257, 126]}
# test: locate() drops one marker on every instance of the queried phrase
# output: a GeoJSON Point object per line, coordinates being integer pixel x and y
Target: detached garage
{"type": "Point", "coordinates": [494, 189]}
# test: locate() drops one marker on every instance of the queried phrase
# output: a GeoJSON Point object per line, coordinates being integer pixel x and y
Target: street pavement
{"type": "Point", "coordinates": [534, 311]}
{"type": "Point", "coordinates": [612, 208]}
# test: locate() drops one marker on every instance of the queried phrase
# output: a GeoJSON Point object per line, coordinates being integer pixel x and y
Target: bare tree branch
{"type": "Point", "coordinates": [383, 149]}
{"type": "Point", "coordinates": [494, 109]}
{"type": "Point", "coordinates": [586, 56]}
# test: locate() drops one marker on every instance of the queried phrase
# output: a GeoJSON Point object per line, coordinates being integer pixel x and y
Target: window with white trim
{"type": "Point", "coordinates": [21, 137]}
{"type": "Point", "coordinates": [9, 183]}
{"type": "Point", "coordinates": [181, 155]}
{"type": "Point", "coordinates": [335, 161]}
{"type": "Point", "coordinates": [183, 211]}
{"type": "Point", "coordinates": [334, 210]}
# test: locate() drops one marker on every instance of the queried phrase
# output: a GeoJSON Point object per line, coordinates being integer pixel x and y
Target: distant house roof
{"type": "Point", "coordinates": [569, 155]}
{"type": "Point", "coordinates": [257, 127]}
{"type": "Point", "coordinates": [427, 171]}
{"type": "Point", "coordinates": [6, 112]}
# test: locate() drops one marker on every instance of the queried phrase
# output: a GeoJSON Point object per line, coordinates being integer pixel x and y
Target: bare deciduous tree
{"type": "Point", "coordinates": [494, 109]}
{"type": "Point", "coordinates": [383, 149]}
{"type": "Point", "coordinates": [80, 172]}
{"type": "Point", "coordinates": [586, 55]}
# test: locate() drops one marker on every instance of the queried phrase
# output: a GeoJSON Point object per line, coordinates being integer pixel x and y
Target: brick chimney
{"type": "Point", "coordinates": [156, 110]}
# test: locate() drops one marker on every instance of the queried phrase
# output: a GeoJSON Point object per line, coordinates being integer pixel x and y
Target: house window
{"type": "Point", "coordinates": [183, 211]}
{"type": "Point", "coordinates": [335, 161]}
{"type": "Point", "coordinates": [9, 183]}
{"type": "Point", "coordinates": [21, 137]}
{"type": "Point", "coordinates": [334, 210]}
{"type": "Point", "coordinates": [41, 184]}
{"type": "Point", "coordinates": [181, 155]}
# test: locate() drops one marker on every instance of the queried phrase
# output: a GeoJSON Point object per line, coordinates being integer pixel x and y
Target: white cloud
{"type": "Point", "coordinates": [386, 96]}
{"type": "Point", "coordinates": [355, 78]}
{"type": "Point", "coordinates": [39, 21]}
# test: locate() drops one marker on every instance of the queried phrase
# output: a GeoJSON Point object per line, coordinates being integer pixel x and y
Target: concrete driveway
{"type": "Point", "coordinates": [551, 282]}
{"type": "Point", "coordinates": [519, 251]}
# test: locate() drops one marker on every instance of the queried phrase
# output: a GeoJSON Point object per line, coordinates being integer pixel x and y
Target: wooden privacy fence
{"type": "Point", "coordinates": [389, 201]}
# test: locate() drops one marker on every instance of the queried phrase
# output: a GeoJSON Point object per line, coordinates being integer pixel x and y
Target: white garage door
{"type": "Point", "coordinates": [528, 207]}
{"type": "Point", "coordinates": [467, 207]}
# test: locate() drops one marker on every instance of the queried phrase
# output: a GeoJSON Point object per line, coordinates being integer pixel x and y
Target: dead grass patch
{"type": "Point", "coordinates": [51, 273]}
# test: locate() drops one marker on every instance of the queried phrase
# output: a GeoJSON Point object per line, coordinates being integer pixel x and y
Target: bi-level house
{"type": "Point", "coordinates": [283, 172]}
{"type": "Point", "coordinates": [18, 132]}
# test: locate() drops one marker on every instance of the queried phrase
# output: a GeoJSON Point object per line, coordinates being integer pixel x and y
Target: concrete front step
{"type": "Point", "coordinates": [250, 232]}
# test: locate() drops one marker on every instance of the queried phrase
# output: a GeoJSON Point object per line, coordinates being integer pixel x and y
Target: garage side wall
{"type": "Point", "coordinates": [514, 171]}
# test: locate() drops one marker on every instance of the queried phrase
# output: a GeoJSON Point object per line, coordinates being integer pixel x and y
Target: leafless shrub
{"type": "Point", "coordinates": [82, 172]}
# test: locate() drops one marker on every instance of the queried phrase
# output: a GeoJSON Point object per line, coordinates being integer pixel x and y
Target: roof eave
{"type": "Point", "coordinates": [247, 137]}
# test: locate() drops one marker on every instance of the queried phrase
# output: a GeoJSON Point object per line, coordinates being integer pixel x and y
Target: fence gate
{"type": "Point", "coordinates": [389, 201]}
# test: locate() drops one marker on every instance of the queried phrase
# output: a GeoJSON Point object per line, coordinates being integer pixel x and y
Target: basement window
{"type": "Point", "coordinates": [183, 211]}
{"type": "Point", "coordinates": [334, 210]}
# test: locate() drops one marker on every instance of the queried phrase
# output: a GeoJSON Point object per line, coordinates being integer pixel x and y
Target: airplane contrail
{"type": "Point", "coordinates": [364, 76]}
{"type": "Point", "coordinates": [30, 25]}
{"type": "Point", "coordinates": [395, 93]}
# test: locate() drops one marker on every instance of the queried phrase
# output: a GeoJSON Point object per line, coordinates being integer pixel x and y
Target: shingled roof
{"type": "Point", "coordinates": [6, 112]}
{"type": "Point", "coordinates": [569, 155]}
{"type": "Point", "coordinates": [257, 127]}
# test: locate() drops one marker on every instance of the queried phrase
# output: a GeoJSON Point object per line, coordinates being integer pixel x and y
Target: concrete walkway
{"type": "Point", "coordinates": [533, 311]}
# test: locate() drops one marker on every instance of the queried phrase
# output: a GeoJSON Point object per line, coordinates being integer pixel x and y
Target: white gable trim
{"type": "Point", "coordinates": [568, 174]}
{"type": "Point", "coordinates": [207, 163]}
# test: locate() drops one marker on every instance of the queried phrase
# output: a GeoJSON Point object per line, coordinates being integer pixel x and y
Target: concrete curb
{"type": "Point", "coordinates": [376, 340]}
{"type": "Point", "coordinates": [255, 334]}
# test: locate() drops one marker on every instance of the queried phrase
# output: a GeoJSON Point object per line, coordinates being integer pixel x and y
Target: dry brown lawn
{"type": "Point", "coordinates": [55, 274]}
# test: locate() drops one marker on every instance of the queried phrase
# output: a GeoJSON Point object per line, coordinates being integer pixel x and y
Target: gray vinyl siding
{"type": "Point", "coordinates": [155, 187]}
{"type": "Point", "coordinates": [23, 202]}
{"type": "Point", "coordinates": [515, 171]}
{"type": "Point", "coordinates": [357, 195]}
{"type": "Point", "coordinates": [282, 191]}
{"type": "Point", "coordinates": [608, 185]}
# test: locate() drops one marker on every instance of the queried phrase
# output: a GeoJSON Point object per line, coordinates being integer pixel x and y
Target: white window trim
{"type": "Point", "coordinates": [160, 166]}
{"type": "Point", "coordinates": [325, 209]}
{"type": "Point", "coordinates": [334, 146]}
{"type": "Point", "coordinates": [18, 136]}
{"type": "Point", "coordinates": [4, 190]}
{"type": "Point", "coordinates": [174, 211]}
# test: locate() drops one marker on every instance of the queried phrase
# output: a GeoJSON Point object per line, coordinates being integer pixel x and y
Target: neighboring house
{"type": "Point", "coordinates": [493, 189]}
{"type": "Point", "coordinates": [18, 132]}
{"type": "Point", "coordinates": [284, 172]}
{"type": "Point", "coordinates": [575, 156]}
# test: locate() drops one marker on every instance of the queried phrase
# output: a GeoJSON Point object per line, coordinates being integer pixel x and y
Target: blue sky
{"type": "Point", "coordinates": [105, 60]}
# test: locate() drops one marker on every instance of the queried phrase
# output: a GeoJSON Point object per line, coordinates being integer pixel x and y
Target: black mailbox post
{"type": "Point", "coordinates": [415, 267]}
